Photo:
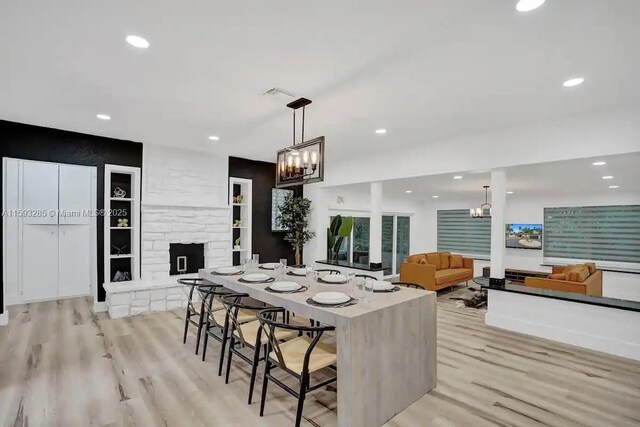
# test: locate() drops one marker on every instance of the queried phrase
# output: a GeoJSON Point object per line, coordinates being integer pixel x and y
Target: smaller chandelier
{"type": "Point", "coordinates": [301, 163]}
{"type": "Point", "coordinates": [480, 211]}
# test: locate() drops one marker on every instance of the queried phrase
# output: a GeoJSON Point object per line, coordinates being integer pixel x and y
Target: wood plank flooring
{"type": "Point", "coordinates": [62, 365]}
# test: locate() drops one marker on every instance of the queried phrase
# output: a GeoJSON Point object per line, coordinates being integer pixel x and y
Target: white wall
{"type": "Point", "coordinates": [523, 209]}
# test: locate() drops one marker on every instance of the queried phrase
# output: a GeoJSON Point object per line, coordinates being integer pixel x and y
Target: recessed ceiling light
{"type": "Point", "coordinates": [381, 131]}
{"type": "Point", "coordinates": [103, 117]}
{"type": "Point", "coordinates": [509, 192]}
{"type": "Point", "coordinates": [457, 177]}
{"type": "Point", "coordinates": [408, 191]}
{"type": "Point", "coordinates": [137, 41]}
{"type": "Point", "coordinates": [435, 197]}
{"type": "Point", "coordinates": [607, 177]}
{"type": "Point", "coordinates": [214, 138]}
{"type": "Point", "coordinates": [614, 186]}
{"type": "Point", "coordinates": [528, 5]}
{"type": "Point", "coordinates": [599, 163]}
{"type": "Point", "coordinates": [573, 82]}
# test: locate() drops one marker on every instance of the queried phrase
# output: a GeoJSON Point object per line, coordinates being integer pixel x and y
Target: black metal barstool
{"type": "Point", "coordinates": [327, 270]}
{"type": "Point", "coordinates": [299, 357]}
{"type": "Point", "coordinates": [366, 276]}
{"type": "Point", "coordinates": [409, 285]}
{"type": "Point", "coordinates": [248, 334]}
{"type": "Point", "coordinates": [192, 285]}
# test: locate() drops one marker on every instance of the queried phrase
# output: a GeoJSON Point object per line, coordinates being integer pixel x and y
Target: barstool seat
{"type": "Point", "coordinates": [293, 353]}
{"type": "Point", "coordinates": [244, 316]}
{"type": "Point", "coordinates": [250, 333]}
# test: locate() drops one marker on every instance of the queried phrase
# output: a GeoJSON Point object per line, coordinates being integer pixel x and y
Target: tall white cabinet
{"type": "Point", "coordinates": [49, 230]}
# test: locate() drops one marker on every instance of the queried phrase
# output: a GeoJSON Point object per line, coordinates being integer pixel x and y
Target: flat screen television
{"type": "Point", "coordinates": [524, 236]}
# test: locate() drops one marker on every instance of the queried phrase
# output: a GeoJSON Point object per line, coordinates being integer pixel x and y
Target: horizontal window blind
{"type": "Point", "coordinates": [598, 233]}
{"type": "Point", "coordinates": [458, 232]}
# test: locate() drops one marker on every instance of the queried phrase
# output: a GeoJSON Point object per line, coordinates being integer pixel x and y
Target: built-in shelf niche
{"type": "Point", "coordinates": [122, 244]}
{"type": "Point", "coordinates": [240, 211]}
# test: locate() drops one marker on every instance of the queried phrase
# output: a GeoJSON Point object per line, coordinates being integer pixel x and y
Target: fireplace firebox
{"type": "Point", "coordinates": [185, 258]}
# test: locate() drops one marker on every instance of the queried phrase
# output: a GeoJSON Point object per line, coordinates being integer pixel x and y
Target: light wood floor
{"type": "Point", "coordinates": [61, 365]}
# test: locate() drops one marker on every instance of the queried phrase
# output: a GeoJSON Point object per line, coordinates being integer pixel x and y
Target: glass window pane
{"type": "Point", "coordinates": [361, 240]}
{"type": "Point", "coordinates": [403, 234]}
{"type": "Point", "coordinates": [343, 252]}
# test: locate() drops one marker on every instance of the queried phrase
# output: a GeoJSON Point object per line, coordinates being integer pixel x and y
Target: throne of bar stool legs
{"type": "Point", "coordinates": [409, 285]}
{"type": "Point", "coordinates": [299, 357]}
{"type": "Point", "coordinates": [192, 285]}
{"type": "Point", "coordinates": [248, 334]}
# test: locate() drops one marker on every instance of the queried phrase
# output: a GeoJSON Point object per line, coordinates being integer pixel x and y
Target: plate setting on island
{"type": "Point", "coordinates": [381, 286]}
{"type": "Point", "coordinates": [331, 300]}
{"type": "Point", "coordinates": [333, 279]}
{"type": "Point", "coordinates": [269, 265]}
{"type": "Point", "coordinates": [286, 288]}
{"type": "Point", "coordinates": [227, 271]}
{"type": "Point", "coordinates": [256, 278]}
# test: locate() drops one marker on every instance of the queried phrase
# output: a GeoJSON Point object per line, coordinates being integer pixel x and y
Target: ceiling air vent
{"type": "Point", "coordinates": [278, 93]}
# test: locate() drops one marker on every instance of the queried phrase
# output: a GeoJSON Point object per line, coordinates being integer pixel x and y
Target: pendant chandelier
{"type": "Point", "coordinates": [480, 212]}
{"type": "Point", "coordinates": [301, 163]}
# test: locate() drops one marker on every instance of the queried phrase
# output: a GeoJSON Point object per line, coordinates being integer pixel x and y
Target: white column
{"type": "Point", "coordinates": [375, 226]}
{"type": "Point", "coordinates": [498, 208]}
{"type": "Point", "coordinates": [316, 248]}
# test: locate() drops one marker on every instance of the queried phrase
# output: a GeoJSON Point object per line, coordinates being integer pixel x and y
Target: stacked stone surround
{"type": "Point", "coordinates": [142, 296]}
{"type": "Point", "coordinates": [162, 225]}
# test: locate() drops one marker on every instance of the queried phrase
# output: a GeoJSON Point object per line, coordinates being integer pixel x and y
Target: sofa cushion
{"type": "Point", "coordinates": [451, 275]}
{"type": "Point", "coordinates": [433, 258]}
{"type": "Point", "coordinates": [416, 258]}
{"type": "Point", "coordinates": [455, 261]}
{"type": "Point", "coordinates": [582, 274]}
{"type": "Point", "coordinates": [558, 276]}
{"type": "Point", "coordinates": [423, 260]}
{"type": "Point", "coordinates": [591, 266]}
{"type": "Point", "coordinates": [444, 260]}
{"type": "Point", "coordinates": [578, 274]}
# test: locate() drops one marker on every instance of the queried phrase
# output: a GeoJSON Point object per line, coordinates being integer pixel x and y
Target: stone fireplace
{"type": "Point", "coordinates": [184, 205]}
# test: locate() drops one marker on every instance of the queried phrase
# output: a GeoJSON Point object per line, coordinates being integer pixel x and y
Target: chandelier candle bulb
{"type": "Point", "coordinates": [305, 158]}
{"type": "Point", "coordinates": [314, 157]}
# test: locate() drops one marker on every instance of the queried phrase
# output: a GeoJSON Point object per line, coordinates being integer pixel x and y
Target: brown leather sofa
{"type": "Point", "coordinates": [578, 278]}
{"type": "Point", "coordinates": [436, 270]}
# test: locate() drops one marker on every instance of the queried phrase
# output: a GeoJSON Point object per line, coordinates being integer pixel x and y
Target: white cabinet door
{"type": "Point", "coordinates": [39, 262]}
{"type": "Point", "coordinates": [75, 194]}
{"type": "Point", "coordinates": [74, 263]}
{"type": "Point", "coordinates": [39, 192]}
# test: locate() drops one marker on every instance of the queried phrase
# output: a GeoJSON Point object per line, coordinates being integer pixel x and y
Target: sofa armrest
{"type": "Point", "coordinates": [421, 274]}
{"type": "Point", "coordinates": [468, 263]}
{"type": "Point", "coordinates": [594, 283]}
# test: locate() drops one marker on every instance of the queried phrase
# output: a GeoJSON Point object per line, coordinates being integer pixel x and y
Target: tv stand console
{"type": "Point", "coordinates": [515, 275]}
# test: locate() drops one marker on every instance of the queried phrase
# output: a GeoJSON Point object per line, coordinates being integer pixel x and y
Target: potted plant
{"type": "Point", "coordinates": [339, 230]}
{"type": "Point", "coordinates": [293, 216]}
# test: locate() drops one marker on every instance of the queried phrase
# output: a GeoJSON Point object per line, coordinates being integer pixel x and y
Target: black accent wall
{"type": "Point", "coordinates": [22, 141]}
{"type": "Point", "coordinates": [270, 245]}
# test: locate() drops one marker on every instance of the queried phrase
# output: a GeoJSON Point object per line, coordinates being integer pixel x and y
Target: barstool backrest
{"type": "Point", "coordinates": [409, 285]}
{"type": "Point", "coordinates": [233, 303]}
{"type": "Point", "coordinates": [268, 320]}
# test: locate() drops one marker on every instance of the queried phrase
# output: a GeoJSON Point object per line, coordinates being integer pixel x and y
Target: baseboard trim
{"type": "Point", "coordinates": [100, 307]}
{"type": "Point", "coordinates": [4, 318]}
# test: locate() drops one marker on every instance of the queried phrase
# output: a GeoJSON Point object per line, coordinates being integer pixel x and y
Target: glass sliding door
{"type": "Point", "coordinates": [403, 237]}
{"type": "Point", "coordinates": [387, 243]}
{"type": "Point", "coordinates": [360, 252]}
{"type": "Point", "coordinates": [344, 250]}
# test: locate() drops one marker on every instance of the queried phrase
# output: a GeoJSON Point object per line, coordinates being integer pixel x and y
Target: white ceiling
{"type": "Point", "coordinates": [558, 178]}
{"type": "Point", "coordinates": [424, 70]}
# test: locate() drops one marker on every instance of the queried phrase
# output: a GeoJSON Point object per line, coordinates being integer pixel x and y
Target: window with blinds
{"type": "Point", "coordinates": [596, 233]}
{"type": "Point", "coordinates": [458, 232]}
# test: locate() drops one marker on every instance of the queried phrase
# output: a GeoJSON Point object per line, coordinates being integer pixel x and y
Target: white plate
{"type": "Point", "coordinates": [379, 285]}
{"type": "Point", "coordinates": [227, 270]}
{"type": "Point", "coordinates": [334, 278]}
{"type": "Point", "coordinates": [331, 297]}
{"type": "Point", "coordinates": [255, 277]}
{"type": "Point", "coordinates": [270, 265]}
{"type": "Point", "coordinates": [299, 271]}
{"type": "Point", "coordinates": [285, 286]}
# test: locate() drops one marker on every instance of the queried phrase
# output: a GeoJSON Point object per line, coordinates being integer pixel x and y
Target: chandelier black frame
{"type": "Point", "coordinates": [479, 212]}
{"type": "Point", "coordinates": [301, 163]}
